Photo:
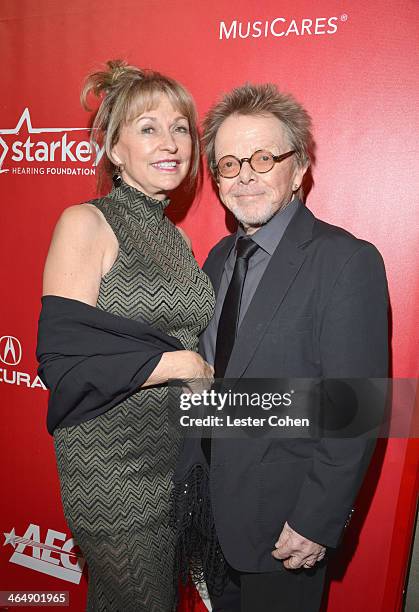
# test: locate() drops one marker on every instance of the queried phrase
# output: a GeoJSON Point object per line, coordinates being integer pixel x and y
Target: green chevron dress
{"type": "Point", "coordinates": [116, 469]}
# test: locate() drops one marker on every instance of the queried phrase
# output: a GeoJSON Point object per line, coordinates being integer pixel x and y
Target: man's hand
{"type": "Point", "coordinates": [296, 550]}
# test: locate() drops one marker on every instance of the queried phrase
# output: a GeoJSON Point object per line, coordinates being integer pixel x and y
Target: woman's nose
{"type": "Point", "coordinates": [168, 142]}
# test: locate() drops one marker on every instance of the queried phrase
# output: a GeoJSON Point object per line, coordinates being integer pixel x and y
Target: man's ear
{"type": "Point", "coordinates": [299, 173]}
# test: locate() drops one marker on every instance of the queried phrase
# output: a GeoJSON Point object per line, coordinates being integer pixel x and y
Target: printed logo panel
{"type": "Point", "coordinates": [48, 150]}
{"type": "Point", "coordinates": [53, 556]}
{"type": "Point", "coordinates": [11, 355]}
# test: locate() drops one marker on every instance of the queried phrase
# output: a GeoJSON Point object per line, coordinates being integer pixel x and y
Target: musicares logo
{"type": "Point", "coordinates": [49, 154]}
{"type": "Point", "coordinates": [47, 557]}
{"type": "Point", "coordinates": [280, 27]}
{"type": "Point", "coordinates": [11, 355]}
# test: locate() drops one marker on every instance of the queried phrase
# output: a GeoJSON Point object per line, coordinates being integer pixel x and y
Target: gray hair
{"type": "Point", "coordinates": [263, 99]}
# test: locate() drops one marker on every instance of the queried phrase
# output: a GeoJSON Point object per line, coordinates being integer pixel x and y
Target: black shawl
{"type": "Point", "coordinates": [92, 360]}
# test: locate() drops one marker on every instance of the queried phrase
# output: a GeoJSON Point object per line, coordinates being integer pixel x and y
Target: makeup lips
{"type": "Point", "coordinates": [166, 165]}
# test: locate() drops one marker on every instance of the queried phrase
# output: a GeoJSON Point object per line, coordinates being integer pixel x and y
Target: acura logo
{"type": "Point", "coordinates": [10, 350]}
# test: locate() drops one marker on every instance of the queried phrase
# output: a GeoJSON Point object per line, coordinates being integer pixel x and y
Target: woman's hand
{"type": "Point", "coordinates": [194, 366]}
{"type": "Point", "coordinates": [187, 366]}
{"type": "Point", "coordinates": [201, 374]}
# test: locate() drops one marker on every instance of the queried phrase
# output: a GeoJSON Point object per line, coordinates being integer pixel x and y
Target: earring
{"type": "Point", "coordinates": [116, 177]}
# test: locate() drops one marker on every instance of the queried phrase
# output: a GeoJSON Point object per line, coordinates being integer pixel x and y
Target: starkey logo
{"type": "Point", "coordinates": [25, 149]}
{"type": "Point", "coordinates": [11, 356]}
{"type": "Point", "coordinates": [53, 554]}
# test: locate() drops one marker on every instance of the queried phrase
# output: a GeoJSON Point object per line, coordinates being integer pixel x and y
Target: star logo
{"type": "Point", "coordinates": [26, 122]}
{"type": "Point", "coordinates": [53, 554]}
{"type": "Point", "coordinates": [11, 538]}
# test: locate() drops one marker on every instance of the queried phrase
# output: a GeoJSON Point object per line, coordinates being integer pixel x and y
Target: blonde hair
{"type": "Point", "coordinates": [263, 99]}
{"type": "Point", "coordinates": [126, 92]}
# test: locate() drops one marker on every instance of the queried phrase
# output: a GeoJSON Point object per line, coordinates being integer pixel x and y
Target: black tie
{"type": "Point", "coordinates": [229, 318]}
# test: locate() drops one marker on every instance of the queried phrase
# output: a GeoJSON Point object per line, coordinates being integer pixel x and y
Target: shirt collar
{"type": "Point", "coordinates": [269, 235]}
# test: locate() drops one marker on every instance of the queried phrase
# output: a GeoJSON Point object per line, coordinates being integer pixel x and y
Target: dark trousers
{"type": "Point", "coordinates": [282, 591]}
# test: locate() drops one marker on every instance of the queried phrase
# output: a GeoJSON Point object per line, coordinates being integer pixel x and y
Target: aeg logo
{"type": "Point", "coordinates": [48, 557]}
{"type": "Point", "coordinates": [10, 350]}
{"type": "Point", "coordinates": [64, 152]}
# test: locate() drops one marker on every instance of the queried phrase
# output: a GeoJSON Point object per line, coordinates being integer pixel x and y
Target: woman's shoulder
{"type": "Point", "coordinates": [81, 251]}
{"type": "Point", "coordinates": [81, 222]}
{"type": "Point", "coordinates": [85, 215]}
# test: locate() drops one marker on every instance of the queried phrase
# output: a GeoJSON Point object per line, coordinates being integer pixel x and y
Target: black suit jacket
{"type": "Point", "coordinates": [320, 310]}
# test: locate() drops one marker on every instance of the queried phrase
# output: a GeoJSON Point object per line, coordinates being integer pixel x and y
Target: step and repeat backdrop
{"type": "Point", "coordinates": [353, 65]}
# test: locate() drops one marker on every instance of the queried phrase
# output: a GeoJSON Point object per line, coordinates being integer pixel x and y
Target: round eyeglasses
{"type": "Point", "coordinates": [261, 161]}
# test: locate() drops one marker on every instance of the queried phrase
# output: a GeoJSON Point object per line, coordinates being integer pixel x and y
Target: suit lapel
{"type": "Point", "coordinates": [279, 276]}
{"type": "Point", "coordinates": [214, 266]}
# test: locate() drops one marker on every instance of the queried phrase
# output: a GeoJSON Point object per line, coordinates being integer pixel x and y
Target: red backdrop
{"type": "Point", "coordinates": [353, 65]}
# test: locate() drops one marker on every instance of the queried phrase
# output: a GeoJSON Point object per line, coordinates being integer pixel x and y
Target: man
{"type": "Point", "coordinates": [296, 297]}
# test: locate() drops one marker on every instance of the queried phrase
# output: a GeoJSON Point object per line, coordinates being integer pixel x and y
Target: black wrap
{"type": "Point", "coordinates": [92, 360]}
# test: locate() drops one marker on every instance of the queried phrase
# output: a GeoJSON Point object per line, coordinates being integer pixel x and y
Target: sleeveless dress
{"type": "Point", "coordinates": [116, 469]}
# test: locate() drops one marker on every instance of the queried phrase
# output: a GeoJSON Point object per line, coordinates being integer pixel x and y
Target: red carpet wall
{"type": "Point", "coordinates": [353, 64]}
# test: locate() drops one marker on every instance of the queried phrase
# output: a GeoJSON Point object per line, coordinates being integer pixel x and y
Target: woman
{"type": "Point", "coordinates": [124, 302]}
